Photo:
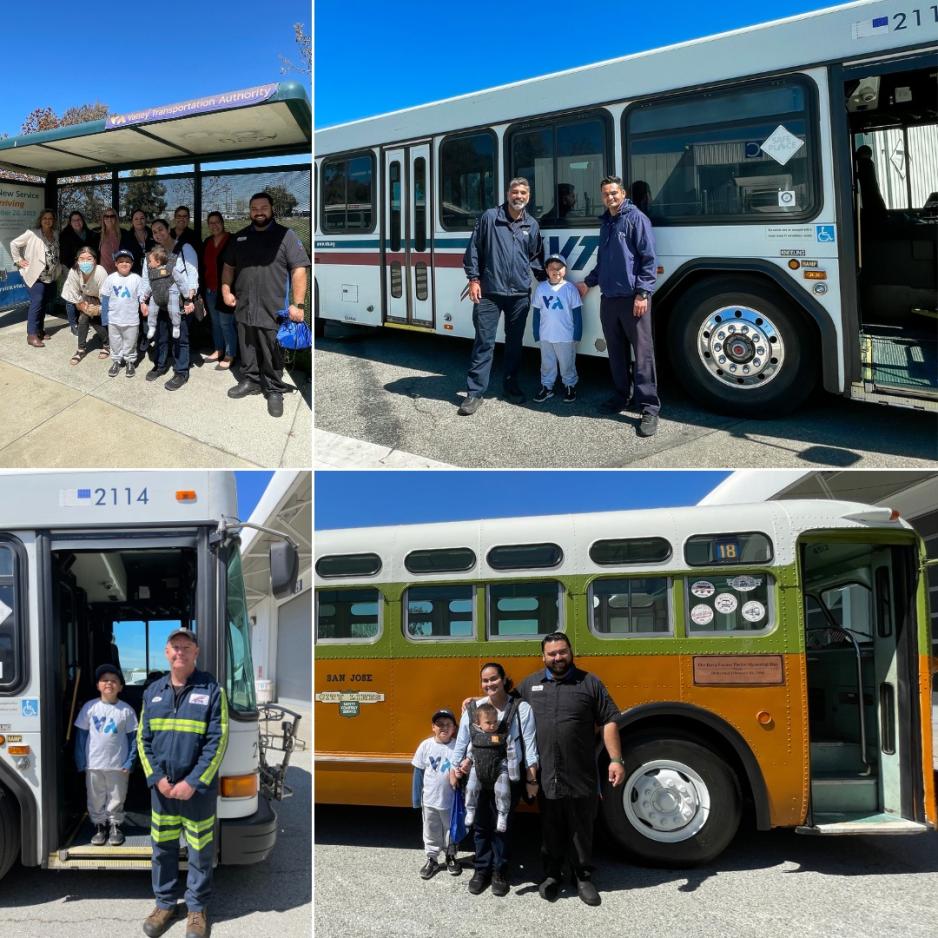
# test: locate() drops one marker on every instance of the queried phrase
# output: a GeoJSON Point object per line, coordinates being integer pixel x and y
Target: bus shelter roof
{"type": "Point", "coordinates": [267, 120]}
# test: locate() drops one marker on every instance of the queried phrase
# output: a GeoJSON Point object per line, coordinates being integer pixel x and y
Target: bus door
{"type": "Point", "coordinates": [408, 239]}
{"type": "Point", "coordinates": [862, 664]}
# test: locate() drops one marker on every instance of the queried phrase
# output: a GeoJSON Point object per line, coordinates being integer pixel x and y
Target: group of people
{"type": "Point", "coordinates": [180, 737]}
{"type": "Point", "coordinates": [503, 252]}
{"type": "Point", "coordinates": [535, 742]}
{"type": "Point", "coordinates": [136, 289]}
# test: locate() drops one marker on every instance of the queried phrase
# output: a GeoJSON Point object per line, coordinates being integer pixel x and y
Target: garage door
{"type": "Point", "coordinates": [295, 648]}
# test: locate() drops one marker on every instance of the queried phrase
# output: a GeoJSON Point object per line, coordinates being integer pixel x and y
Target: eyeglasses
{"type": "Point", "coordinates": [110, 216]}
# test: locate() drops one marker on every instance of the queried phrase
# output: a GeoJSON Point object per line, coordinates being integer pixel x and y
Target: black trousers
{"type": "Point", "coordinates": [624, 335]}
{"type": "Point", "coordinates": [261, 359]}
{"type": "Point", "coordinates": [485, 316]}
{"type": "Point", "coordinates": [567, 832]}
{"type": "Point", "coordinates": [491, 845]}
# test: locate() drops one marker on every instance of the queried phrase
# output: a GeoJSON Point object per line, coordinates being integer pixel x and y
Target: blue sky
{"type": "Point", "coordinates": [357, 499]}
{"type": "Point", "coordinates": [251, 486]}
{"type": "Point", "coordinates": [62, 54]}
{"type": "Point", "coordinates": [371, 57]}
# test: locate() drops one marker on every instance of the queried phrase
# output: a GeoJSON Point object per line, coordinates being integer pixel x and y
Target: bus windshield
{"type": "Point", "coordinates": [239, 672]}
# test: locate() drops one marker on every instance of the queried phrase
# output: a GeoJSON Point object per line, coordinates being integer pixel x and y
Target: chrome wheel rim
{"type": "Point", "coordinates": [740, 347]}
{"type": "Point", "coordinates": [666, 801]}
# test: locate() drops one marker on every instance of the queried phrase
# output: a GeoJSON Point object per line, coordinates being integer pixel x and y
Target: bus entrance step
{"type": "Point", "coordinates": [897, 364]}
{"type": "Point", "coordinates": [844, 793]}
{"type": "Point", "coordinates": [836, 755]}
{"type": "Point", "coordinates": [835, 824]}
{"type": "Point", "coordinates": [115, 860]}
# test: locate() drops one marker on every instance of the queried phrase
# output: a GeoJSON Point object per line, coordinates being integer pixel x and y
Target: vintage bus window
{"type": "Point", "coordinates": [11, 638]}
{"type": "Point", "coordinates": [467, 179]}
{"type": "Point", "coordinates": [523, 610]}
{"type": "Point", "coordinates": [630, 606]}
{"type": "Point", "coordinates": [348, 194]}
{"type": "Point", "coordinates": [524, 556]}
{"type": "Point", "coordinates": [348, 615]}
{"type": "Point", "coordinates": [438, 612]}
{"type": "Point", "coordinates": [717, 550]}
{"type": "Point", "coordinates": [440, 560]}
{"type": "Point", "coordinates": [744, 154]}
{"type": "Point", "coordinates": [564, 160]}
{"type": "Point", "coordinates": [239, 671]}
{"type": "Point", "coordinates": [622, 551]}
{"type": "Point", "coordinates": [348, 565]}
{"type": "Point", "coordinates": [733, 603]}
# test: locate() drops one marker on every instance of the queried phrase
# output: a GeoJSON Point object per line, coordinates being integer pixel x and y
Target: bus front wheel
{"type": "Point", "coordinates": [740, 348]}
{"type": "Point", "coordinates": [9, 830]}
{"type": "Point", "coordinates": [679, 806]}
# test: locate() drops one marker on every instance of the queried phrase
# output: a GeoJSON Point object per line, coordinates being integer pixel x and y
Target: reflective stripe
{"type": "Point", "coordinates": [162, 820]}
{"type": "Point", "coordinates": [197, 843]}
{"type": "Point", "coordinates": [197, 827]}
{"type": "Point", "coordinates": [210, 772]}
{"type": "Point", "coordinates": [177, 724]}
{"type": "Point", "coordinates": [144, 761]}
{"type": "Point", "coordinates": [164, 836]}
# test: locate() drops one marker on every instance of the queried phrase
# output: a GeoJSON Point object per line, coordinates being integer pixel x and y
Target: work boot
{"type": "Point", "coordinates": [243, 388]}
{"type": "Point", "coordinates": [469, 406]}
{"type": "Point", "coordinates": [275, 404]}
{"type": "Point", "coordinates": [197, 925]}
{"type": "Point", "coordinates": [100, 835]}
{"type": "Point", "coordinates": [480, 879]}
{"type": "Point", "coordinates": [648, 425]}
{"type": "Point", "coordinates": [499, 884]}
{"type": "Point", "coordinates": [155, 373]}
{"type": "Point", "coordinates": [587, 892]}
{"type": "Point", "coordinates": [158, 921]}
{"type": "Point", "coordinates": [116, 837]}
{"type": "Point", "coordinates": [176, 382]}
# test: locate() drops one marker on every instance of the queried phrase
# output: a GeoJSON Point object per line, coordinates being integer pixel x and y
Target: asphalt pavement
{"type": "Point", "coordinates": [399, 391]}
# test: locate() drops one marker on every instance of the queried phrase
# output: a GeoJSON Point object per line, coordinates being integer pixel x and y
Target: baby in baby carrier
{"type": "Point", "coordinates": [163, 276]}
{"type": "Point", "coordinates": [490, 749]}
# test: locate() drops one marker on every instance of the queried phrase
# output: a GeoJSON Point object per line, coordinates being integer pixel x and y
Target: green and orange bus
{"type": "Point", "coordinates": [775, 655]}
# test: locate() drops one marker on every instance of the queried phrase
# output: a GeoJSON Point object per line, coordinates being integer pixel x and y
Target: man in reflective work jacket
{"type": "Point", "coordinates": [181, 740]}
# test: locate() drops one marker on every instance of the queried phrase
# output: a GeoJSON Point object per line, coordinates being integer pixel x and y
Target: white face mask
{"type": "Point", "coordinates": [86, 266]}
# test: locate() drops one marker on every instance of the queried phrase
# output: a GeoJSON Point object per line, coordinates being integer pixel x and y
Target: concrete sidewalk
{"type": "Point", "coordinates": [57, 415]}
{"type": "Point", "coordinates": [343, 452]}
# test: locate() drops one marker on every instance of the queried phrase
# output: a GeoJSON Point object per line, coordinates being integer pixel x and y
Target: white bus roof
{"type": "Point", "coordinates": [783, 522]}
{"type": "Point", "coordinates": [94, 498]}
{"type": "Point", "coordinates": [828, 35]}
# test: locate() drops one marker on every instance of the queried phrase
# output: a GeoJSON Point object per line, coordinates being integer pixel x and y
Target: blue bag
{"type": "Point", "coordinates": [457, 821]}
{"type": "Point", "coordinates": [292, 335]}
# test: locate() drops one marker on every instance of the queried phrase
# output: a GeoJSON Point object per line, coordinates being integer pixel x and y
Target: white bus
{"type": "Point", "coordinates": [98, 567]}
{"type": "Point", "coordinates": [784, 261]}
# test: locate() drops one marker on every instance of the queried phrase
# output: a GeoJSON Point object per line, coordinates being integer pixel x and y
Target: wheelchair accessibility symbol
{"type": "Point", "coordinates": [29, 707]}
{"type": "Point", "coordinates": [825, 233]}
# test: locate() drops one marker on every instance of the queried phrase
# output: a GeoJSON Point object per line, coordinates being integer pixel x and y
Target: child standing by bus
{"type": "Point", "coordinates": [558, 326]}
{"type": "Point", "coordinates": [433, 793]}
{"type": "Point", "coordinates": [105, 750]}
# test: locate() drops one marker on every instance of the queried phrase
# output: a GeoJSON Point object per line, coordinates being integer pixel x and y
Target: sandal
{"type": "Point", "coordinates": [104, 353]}
{"type": "Point", "coordinates": [78, 356]}
{"type": "Point", "coordinates": [211, 358]}
{"type": "Point", "coordinates": [224, 364]}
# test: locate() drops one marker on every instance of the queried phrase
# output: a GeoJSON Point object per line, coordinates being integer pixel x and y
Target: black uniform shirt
{"type": "Point", "coordinates": [263, 261]}
{"type": "Point", "coordinates": [567, 712]}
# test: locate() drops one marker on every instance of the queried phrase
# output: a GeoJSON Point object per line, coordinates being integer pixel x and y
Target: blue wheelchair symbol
{"type": "Point", "coordinates": [29, 707]}
{"type": "Point", "coordinates": [825, 233]}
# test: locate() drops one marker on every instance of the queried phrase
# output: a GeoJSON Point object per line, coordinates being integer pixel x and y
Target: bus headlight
{"type": "Point", "coordinates": [238, 786]}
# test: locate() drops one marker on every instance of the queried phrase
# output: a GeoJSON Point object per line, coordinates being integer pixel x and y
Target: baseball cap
{"type": "Point", "coordinates": [182, 633]}
{"type": "Point", "coordinates": [107, 669]}
{"type": "Point", "coordinates": [123, 252]}
{"type": "Point", "coordinates": [444, 713]}
{"type": "Point", "coordinates": [558, 258]}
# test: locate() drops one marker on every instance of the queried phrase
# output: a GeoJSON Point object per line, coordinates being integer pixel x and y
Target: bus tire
{"type": "Point", "coordinates": [771, 366]}
{"type": "Point", "coordinates": [9, 830]}
{"type": "Point", "coordinates": [679, 806]}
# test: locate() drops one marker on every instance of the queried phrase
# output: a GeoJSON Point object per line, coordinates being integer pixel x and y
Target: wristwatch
{"type": "Point", "coordinates": [300, 305]}
{"type": "Point", "coordinates": [618, 761]}
{"type": "Point", "coordinates": [642, 294]}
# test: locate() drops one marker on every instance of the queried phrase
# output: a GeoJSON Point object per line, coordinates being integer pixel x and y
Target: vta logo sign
{"type": "Point", "coordinates": [587, 245]}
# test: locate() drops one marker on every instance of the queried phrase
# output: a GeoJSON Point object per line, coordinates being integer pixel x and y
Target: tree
{"type": "Point", "coordinates": [44, 118]}
{"type": "Point", "coordinates": [304, 44]}
{"type": "Point", "coordinates": [144, 191]}
{"type": "Point", "coordinates": [283, 201]}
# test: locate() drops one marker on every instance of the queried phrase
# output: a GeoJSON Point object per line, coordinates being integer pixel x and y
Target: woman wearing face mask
{"type": "Point", "coordinates": [83, 288]}
{"type": "Point", "coordinates": [36, 253]}
{"type": "Point", "coordinates": [74, 236]}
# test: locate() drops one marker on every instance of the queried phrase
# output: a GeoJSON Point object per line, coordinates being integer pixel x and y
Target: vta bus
{"type": "Point", "coordinates": [773, 655]}
{"type": "Point", "coordinates": [99, 567]}
{"type": "Point", "coordinates": [784, 262]}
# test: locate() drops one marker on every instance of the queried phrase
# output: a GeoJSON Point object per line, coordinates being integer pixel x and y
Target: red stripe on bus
{"type": "Point", "coordinates": [373, 259]}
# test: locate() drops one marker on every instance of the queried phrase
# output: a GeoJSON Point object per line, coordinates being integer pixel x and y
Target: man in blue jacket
{"type": "Point", "coordinates": [505, 248]}
{"type": "Point", "coordinates": [181, 740]}
{"type": "Point", "coordinates": [625, 271]}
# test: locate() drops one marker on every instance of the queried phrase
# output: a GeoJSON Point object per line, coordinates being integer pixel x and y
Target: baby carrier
{"type": "Point", "coordinates": [490, 750]}
{"type": "Point", "coordinates": [161, 279]}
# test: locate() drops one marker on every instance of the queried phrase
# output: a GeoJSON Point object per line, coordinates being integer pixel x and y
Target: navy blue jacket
{"type": "Point", "coordinates": [185, 742]}
{"type": "Point", "coordinates": [502, 253]}
{"type": "Point", "coordinates": [625, 260]}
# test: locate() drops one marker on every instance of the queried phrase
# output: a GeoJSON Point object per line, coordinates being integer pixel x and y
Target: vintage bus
{"type": "Point", "coordinates": [99, 567]}
{"type": "Point", "coordinates": [774, 656]}
{"type": "Point", "coordinates": [784, 262]}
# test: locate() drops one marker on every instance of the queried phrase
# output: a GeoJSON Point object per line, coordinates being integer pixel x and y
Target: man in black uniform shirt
{"type": "Point", "coordinates": [568, 705]}
{"type": "Point", "coordinates": [265, 264]}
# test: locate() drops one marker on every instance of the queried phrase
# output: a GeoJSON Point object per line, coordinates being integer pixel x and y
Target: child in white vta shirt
{"type": "Point", "coordinates": [124, 292]}
{"type": "Point", "coordinates": [434, 795]}
{"type": "Point", "coordinates": [105, 751]}
{"type": "Point", "coordinates": [558, 326]}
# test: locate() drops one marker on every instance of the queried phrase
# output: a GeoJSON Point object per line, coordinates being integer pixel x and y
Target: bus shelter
{"type": "Point", "coordinates": [127, 161]}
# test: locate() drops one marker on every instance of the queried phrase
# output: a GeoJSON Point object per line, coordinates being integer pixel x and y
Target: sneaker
{"type": "Point", "coordinates": [649, 425]}
{"type": "Point", "coordinates": [176, 382]}
{"type": "Point", "coordinates": [514, 393]}
{"type": "Point", "coordinates": [275, 404]}
{"type": "Point", "coordinates": [154, 373]}
{"type": "Point", "coordinates": [501, 824]}
{"type": "Point", "coordinates": [549, 889]}
{"type": "Point", "coordinates": [613, 405]}
{"type": "Point", "coordinates": [99, 839]}
{"type": "Point", "coordinates": [197, 925]}
{"type": "Point", "coordinates": [114, 370]}
{"type": "Point", "coordinates": [131, 369]}
{"type": "Point", "coordinates": [569, 395]}
{"type": "Point", "coordinates": [430, 868]}
{"type": "Point", "coordinates": [158, 921]}
{"type": "Point", "coordinates": [587, 892]}
{"type": "Point", "coordinates": [499, 884]}
{"type": "Point", "coordinates": [543, 393]}
{"type": "Point", "coordinates": [469, 406]}
{"type": "Point", "coordinates": [453, 866]}
{"type": "Point", "coordinates": [480, 879]}
{"type": "Point", "coordinates": [116, 837]}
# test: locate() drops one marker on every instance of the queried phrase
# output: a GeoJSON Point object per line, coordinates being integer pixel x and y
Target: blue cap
{"type": "Point", "coordinates": [123, 252]}
{"type": "Point", "coordinates": [557, 258]}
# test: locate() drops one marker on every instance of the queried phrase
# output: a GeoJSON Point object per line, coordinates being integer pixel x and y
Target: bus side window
{"type": "Point", "coordinates": [10, 631]}
{"type": "Point", "coordinates": [348, 615]}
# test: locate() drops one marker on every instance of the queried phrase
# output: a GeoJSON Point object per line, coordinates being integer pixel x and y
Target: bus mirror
{"type": "Point", "coordinates": [284, 568]}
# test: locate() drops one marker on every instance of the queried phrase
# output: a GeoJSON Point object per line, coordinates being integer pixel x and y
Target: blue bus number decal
{"type": "Point", "coordinates": [103, 498]}
{"type": "Point", "coordinates": [587, 245]}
